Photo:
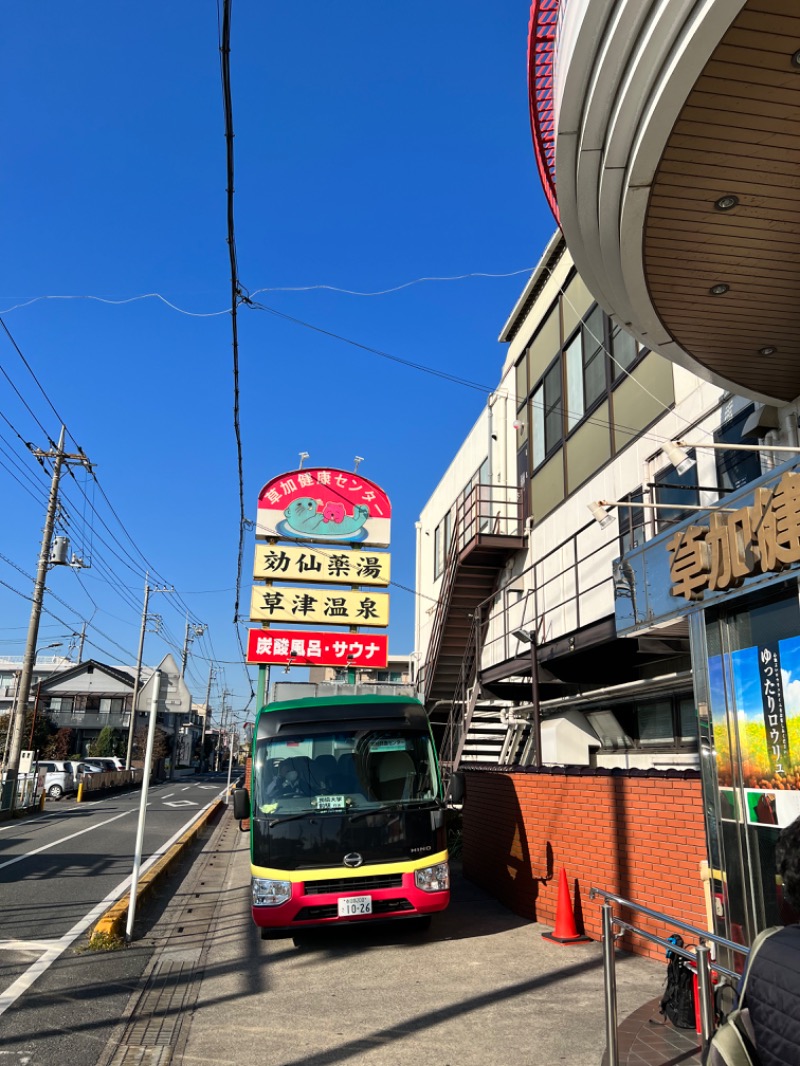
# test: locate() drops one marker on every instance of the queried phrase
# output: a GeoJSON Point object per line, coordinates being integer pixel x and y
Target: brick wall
{"type": "Point", "coordinates": [638, 834]}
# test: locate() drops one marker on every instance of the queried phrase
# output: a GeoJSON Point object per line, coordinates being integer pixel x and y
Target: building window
{"type": "Point", "coordinates": [112, 704]}
{"type": "Point", "coordinates": [735, 468]}
{"type": "Point", "coordinates": [585, 363]}
{"type": "Point", "coordinates": [438, 553]}
{"type": "Point", "coordinates": [547, 414]}
{"type": "Point", "coordinates": [630, 521]}
{"type": "Point", "coordinates": [625, 351]}
{"type": "Point", "coordinates": [680, 491]}
{"type": "Point", "coordinates": [62, 703]}
{"type": "Point", "coordinates": [664, 724]}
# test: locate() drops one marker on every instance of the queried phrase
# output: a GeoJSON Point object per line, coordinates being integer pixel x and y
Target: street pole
{"type": "Point", "coordinates": [137, 681]}
{"type": "Point", "coordinates": [535, 703]}
{"type": "Point", "coordinates": [230, 764]}
{"type": "Point", "coordinates": [206, 717]}
{"type": "Point", "coordinates": [148, 760]}
{"type": "Point", "coordinates": [196, 629]}
{"type": "Point", "coordinates": [23, 691]}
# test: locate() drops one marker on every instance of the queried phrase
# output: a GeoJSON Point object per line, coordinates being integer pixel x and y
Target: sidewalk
{"type": "Point", "coordinates": [480, 986]}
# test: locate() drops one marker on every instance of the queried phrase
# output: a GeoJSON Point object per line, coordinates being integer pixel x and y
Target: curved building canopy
{"type": "Point", "coordinates": [674, 136]}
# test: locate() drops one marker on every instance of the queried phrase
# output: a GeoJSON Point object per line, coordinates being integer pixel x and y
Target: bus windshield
{"type": "Point", "coordinates": [343, 771]}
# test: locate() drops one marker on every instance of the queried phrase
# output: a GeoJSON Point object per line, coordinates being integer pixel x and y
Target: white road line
{"type": "Point", "coordinates": [27, 945]}
{"type": "Point", "coordinates": [168, 795]}
{"type": "Point", "coordinates": [26, 979]}
{"type": "Point", "coordinates": [63, 840]}
{"type": "Point", "coordinates": [186, 788]}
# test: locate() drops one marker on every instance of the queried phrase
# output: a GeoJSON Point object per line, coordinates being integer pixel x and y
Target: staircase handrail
{"type": "Point", "coordinates": [471, 511]}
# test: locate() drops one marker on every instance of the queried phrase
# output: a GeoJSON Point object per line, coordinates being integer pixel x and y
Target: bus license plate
{"type": "Point", "coordinates": [352, 905]}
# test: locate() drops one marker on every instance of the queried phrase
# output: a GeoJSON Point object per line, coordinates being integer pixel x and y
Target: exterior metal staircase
{"type": "Point", "coordinates": [486, 531]}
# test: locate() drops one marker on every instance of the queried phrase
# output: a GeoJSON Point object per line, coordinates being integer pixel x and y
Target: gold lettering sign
{"type": "Point", "coordinates": [762, 538]}
{"type": "Point", "coordinates": [340, 566]}
{"type": "Point", "coordinates": [319, 606]}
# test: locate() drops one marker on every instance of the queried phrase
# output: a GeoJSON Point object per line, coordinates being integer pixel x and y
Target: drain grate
{"type": "Point", "coordinates": [156, 1017]}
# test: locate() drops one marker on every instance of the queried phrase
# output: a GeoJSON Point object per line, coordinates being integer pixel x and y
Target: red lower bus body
{"type": "Point", "coordinates": [309, 909]}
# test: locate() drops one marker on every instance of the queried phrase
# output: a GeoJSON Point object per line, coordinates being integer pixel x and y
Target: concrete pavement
{"type": "Point", "coordinates": [480, 986]}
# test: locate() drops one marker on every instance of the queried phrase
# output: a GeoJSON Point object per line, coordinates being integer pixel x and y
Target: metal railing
{"type": "Point", "coordinates": [463, 702]}
{"type": "Point", "coordinates": [699, 956]}
{"type": "Point", "coordinates": [486, 510]}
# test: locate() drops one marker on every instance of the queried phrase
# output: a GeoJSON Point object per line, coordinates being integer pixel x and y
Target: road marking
{"type": "Point", "coordinates": [186, 788]}
{"type": "Point", "coordinates": [26, 979]}
{"type": "Point", "coordinates": [26, 945]}
{"type": "Point", "coordinates": [168, 795]}
{"type": "Point", "coordinates": [181, 803]}
{"type": "Point", "coordinates": [63, 840]}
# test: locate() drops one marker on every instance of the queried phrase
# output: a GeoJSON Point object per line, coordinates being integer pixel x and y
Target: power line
{"type": "Point", "coordinates": [236, 289]}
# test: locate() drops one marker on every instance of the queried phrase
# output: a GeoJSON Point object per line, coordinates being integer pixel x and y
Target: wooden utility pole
{"type": "Point", "coordinates": [17, 724]}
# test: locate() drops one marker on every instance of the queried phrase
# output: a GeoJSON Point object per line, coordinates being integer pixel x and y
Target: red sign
{"type": "Point", "coordinates": [283, 647]}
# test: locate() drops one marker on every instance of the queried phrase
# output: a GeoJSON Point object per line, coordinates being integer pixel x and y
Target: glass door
{"type": "Point", "coordinates": [747, 682]}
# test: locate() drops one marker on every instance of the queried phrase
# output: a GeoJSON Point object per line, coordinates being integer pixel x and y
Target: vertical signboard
{"type": "Point", "coordinates": [762, 730]}
{"type": "Point", "coordinates": [322, 527]}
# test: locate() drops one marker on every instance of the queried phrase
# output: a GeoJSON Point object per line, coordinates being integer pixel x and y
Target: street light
{"type": "Point", "coordinates": [525, 636]}
{"type": "Point", "coordinates": [57, 644]}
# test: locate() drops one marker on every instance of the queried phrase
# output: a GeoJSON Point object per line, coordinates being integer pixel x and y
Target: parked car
{"type": "Point", "coordinates": [59, 777]}
{"type": "Point", "coordinates": [108, 762]}
{"type": "Point", "coordinates": [85, 769]}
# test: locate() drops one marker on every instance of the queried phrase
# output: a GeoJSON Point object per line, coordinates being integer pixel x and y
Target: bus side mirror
{"type": "Point", "coordinates": [241, 804]}
{"type": "Point", "coordinates": [456, 790]}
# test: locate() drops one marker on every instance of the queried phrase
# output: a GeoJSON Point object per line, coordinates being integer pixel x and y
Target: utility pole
{"type": "Point", "coordinates": [195, 629]}
{"type": "Point", "coordinates": [207, 716]}
{"type": "Point", "coordinates": [222, 720]}
{"type": "Point", "coordinates": [137, 682]}
{"type": "Point", "coordinates": [17, 724]}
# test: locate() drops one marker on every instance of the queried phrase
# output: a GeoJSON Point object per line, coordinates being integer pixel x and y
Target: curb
{"type": "Point", "coordinates": [111, 926]}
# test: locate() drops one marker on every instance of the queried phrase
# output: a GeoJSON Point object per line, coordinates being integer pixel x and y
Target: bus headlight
{"type": "Point", "coordinates": [270, 893]}
{"type": "Point", "coordinates": [433, 878]}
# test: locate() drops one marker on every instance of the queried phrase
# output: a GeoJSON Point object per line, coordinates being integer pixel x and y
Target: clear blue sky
{"type": "Point", "coordinates": [375, 143]}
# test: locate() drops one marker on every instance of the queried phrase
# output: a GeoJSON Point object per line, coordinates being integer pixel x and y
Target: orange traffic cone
{"type": "Point", "coordinates": [565, 931]}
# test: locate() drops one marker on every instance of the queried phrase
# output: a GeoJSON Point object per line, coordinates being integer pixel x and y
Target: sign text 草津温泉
{"type": "Point", "coordinates": [319, 606]}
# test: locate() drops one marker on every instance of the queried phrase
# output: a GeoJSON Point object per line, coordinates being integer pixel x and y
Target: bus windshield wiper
{"type": "Point", "coordinates": [388, 809]}
{"type": "Point", "coordinates": [289, 818]}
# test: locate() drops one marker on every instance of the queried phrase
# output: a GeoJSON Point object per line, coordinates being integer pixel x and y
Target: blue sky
{"type": "Point", "coordinates": [375, 144]}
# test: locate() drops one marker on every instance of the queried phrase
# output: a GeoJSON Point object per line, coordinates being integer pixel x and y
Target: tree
{"type": "Point", "coordinates": [162, 744]}
{"type": "Point", "coordinates": [60, 744]}
{"type": "Point", "coordinates": [108, 742]}
{"type": "Point", "coordinates": [36, 733]}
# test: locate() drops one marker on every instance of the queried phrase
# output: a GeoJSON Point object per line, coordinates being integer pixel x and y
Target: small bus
{"type": "Point", "coordinates": [347, 813]}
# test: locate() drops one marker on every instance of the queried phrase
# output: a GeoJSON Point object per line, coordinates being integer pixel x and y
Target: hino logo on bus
{"type": "Point", "coordinates": [353, 859]}
{"type": "Point", "coordinates": [427, 847]}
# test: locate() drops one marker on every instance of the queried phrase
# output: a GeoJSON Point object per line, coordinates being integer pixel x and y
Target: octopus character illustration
{"type": "Point", "coordinates": [304, 517]}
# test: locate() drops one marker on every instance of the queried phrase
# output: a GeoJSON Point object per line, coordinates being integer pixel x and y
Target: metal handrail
{"type": "Point", "coordinates": [701, 934]}
{"type": "Point", "coordinates": [700, 957]}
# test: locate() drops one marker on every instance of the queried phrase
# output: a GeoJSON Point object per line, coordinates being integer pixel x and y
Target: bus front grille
{"type": "Point", "coordinates": [353, 884]}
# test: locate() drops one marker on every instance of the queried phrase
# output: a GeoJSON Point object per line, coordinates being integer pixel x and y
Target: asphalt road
{"type": "Point", "coordinates": [58, 872]}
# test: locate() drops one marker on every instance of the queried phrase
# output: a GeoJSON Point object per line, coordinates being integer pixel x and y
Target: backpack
{"type": "Point", "coordinates": [733, 1044]}
{"type": "Point", "coordinates": [677, 1003]}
